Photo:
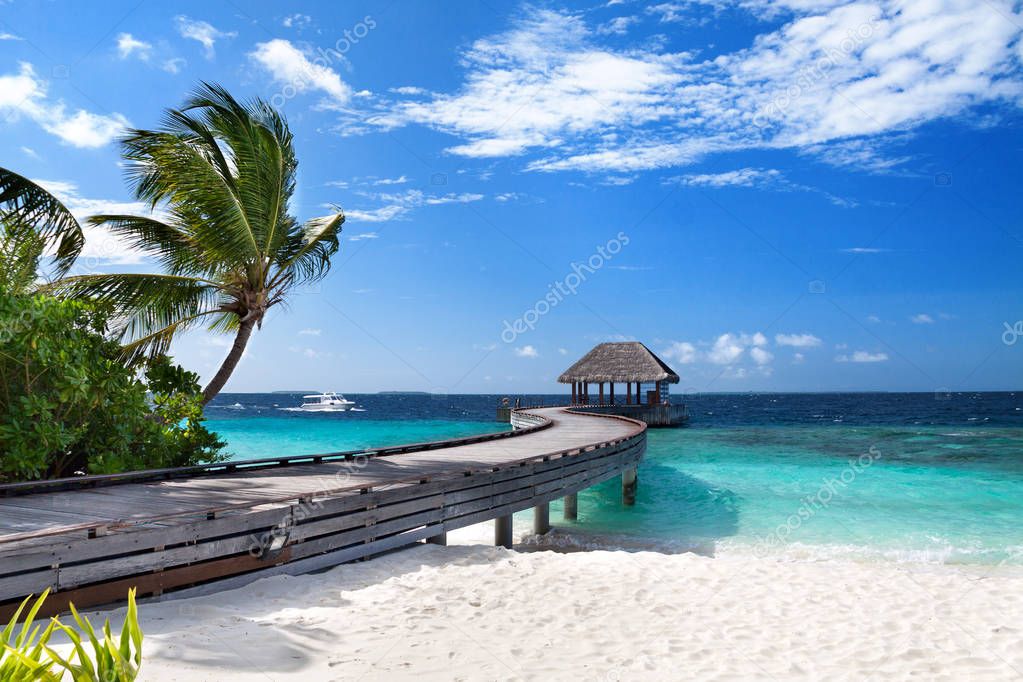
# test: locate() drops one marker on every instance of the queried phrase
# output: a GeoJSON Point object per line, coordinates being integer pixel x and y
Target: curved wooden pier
{"type": "Point", "coordinates": [90, 539]}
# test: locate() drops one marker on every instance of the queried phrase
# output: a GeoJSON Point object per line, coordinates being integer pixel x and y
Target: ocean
{"type": "Point", "coordinates": [904, 477]}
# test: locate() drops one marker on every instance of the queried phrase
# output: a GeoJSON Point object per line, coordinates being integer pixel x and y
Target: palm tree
{"type": "Point", "coordinates": [31, 221]}
{"type": "Point", "coordinates": [218, 176]}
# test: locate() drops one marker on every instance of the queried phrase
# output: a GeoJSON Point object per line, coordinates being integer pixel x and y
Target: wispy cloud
{"type": "Point", "coordinates": [550, 85]}
{"type": "Point", "coordinates": [202, 32]}
{"type": "Point", "coordinates": [527, 352]}
{"type": "Point", "coordinates": [921, 318]}
{"type": "Point", "coordinates": [289, 66]}
{"type": "Point", "coordinates": [398, 205]}
{"type": "Point", "coordinates": [760, 178]}
{"type": "Point", "coordinates": [128, 45]}
{"type": "Point", "coordinates": [864, 250]}
{"type": "Point", "coordinates": [797, 340]}
{"type": "Point", "coordinates": [862, 356]}
{"type": "Point", "coordinates": [25, 94]}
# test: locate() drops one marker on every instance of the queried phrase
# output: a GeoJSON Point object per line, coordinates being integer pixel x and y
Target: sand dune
{"type": "Point", "coordinates": [472, 612]}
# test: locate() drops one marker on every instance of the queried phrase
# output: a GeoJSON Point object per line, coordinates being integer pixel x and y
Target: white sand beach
{"type": "Point", "coordinates": [474, 612]}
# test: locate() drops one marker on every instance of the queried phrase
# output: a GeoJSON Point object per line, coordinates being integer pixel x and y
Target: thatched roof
{"type": "Point", "coordinates": [622, 362]}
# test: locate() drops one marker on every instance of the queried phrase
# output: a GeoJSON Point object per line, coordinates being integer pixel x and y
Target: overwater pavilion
{"type": "Point", "coordinates": [633, 366]}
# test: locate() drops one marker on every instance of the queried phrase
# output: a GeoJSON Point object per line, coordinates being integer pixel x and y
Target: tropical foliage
{"type": "Point", "coordinates": [68, 403]}
{"type": "Point", "coordinates": [26, 654]}
{"type": "Point", "coordinates": [219, 175]}
{"type": "Point", "coordinates": [33, 219]}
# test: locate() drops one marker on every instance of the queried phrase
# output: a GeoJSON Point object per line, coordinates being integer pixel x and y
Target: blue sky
{"type": "Point", "coordinates": [774, 195]}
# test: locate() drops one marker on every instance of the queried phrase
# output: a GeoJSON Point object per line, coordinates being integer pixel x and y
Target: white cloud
{"type": "Point", "coordinates": [837, 80]}
{"type": "Point", "coordinates": [297, 21]}
{"type": "Point", "coordinates": [401, 180]}
{"type": "Point", "coordinates": [363, 235]}
{"type": "Point", "coordinates": [618, 26]}
{"type": "Point", "coordinates": [9, 36]}
{"type": "Point", "coordinates": [864, 250]}
{"type": "Point", "coordinates": [128, 45]}
{"type": "Point", "coordinates": [922, 318]}
{"type": "Point", "coordinates": [376, 215]}
{"type": "Point", "coordinates": [756, 177]}
{"type": "Point", "coordinates": [173, 65]}
{"type": "Point", "coordinates": [873, 319]}
{"type": "Point", "coordinates": [727, 349]}
{"type": "Point", "coordinates": [464, 198]}
{"type": "Point", "coordinates": [744, 177]}
{"type": "Point", "coordinates": [30, 153]}
{"type": "Point", "coordinates": [25, 94]}
{"type": "Point", "coordinates": [202, 32]}
{"type": "Point", "coordinates": [562, 351]}
{"type": "Point", "coordinates": [798, 358]}
{"type": "Point", "coordinates": [397, 205]}
{"type": "Point", "coordinates": [310, 332]}
{"type": "Point", "coordinates": [760, 356]}
{"type": "Point", "coordinates": [290, 67]}
{"type": "Point", "coordinates": [681, 352]}
{"type": "Point", "coordinates": [409, 90]}
{"type": "Point", "coordinates": [527, 352]}
{"type": "Point", "coordinates": [862, 356]}
{"type": "Point", "coordinates": [797, 340]}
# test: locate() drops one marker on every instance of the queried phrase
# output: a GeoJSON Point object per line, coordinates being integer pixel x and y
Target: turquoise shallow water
{"type": "Point", "coordinates": [862, 477]}
{"type": "Point", "coordinates": [819, 492]}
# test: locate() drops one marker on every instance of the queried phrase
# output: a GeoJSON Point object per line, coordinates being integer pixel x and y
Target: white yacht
{"type": "Point", "coordinates": [326, 402]}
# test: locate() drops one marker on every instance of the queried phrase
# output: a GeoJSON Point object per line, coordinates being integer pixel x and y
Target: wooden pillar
{"type": "Point", "coordinates": [601, 392]}
{"type": "Point", "coordinates": [571, 507]}
{"type": "Point", "coordinates": [612, 400]}
{"type": "Point", "coordinates": [441, 539]}
{"type": "Point", "coordinates": [573, 392]}
{"type": "Point", "coordinates": [586, 393]}
{"type": "Point", "coordinates": [639, 393]}
{"type": "Point", "coordinates": [542, 518]}
{"type": "Point", "coordinates": [628, 392]}
{"type": "Point", "coordinates": [629, 483]}
{"type": "Point", "coordinates": [657, 387]}
{"type": "Point", "coordinates": [503, 531]}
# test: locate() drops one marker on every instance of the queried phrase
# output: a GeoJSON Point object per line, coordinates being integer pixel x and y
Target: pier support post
{"type": "Point", "coordinates": [542, 518]}
{"type": "Point", "coordinates": [629, 483]}
{"type": "Point", "coordinates": [503, 531]}
{"type": "Point", "coordinates": [441, 539]}
{"type": "Point", "coordinates": [571, 507]}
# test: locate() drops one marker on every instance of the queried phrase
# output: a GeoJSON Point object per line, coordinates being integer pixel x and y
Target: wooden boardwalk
{"type": "Point", "coordinates": [90, 539]}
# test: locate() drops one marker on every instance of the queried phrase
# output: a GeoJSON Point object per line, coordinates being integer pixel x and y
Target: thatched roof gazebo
{"type": "Point", "coordinates": [629, 363]}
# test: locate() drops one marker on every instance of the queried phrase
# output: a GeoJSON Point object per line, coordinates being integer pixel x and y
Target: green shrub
{"type": "Point", "coordinates": [68, 403]}
{"type": "Point", "coordinates": [112, 660]}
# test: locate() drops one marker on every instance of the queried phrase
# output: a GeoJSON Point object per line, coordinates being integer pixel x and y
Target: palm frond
{"type": "Point", "coordinates": [306, 257]}
{"type": "Point", "coordinates": [146, 305]}
{"type": "Point", "coordinates": [24, 203]}
{"type": "Point", "coordinates": [169, 245]}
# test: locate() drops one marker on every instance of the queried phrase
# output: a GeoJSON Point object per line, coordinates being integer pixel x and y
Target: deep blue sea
{"type": "Point", "coordinates": [865, 476]}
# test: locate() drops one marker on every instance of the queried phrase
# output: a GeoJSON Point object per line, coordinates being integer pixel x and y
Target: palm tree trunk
{"type": "Point", "coordinates": [230, 362]}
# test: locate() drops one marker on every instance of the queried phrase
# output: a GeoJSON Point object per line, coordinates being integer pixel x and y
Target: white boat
{"type": "Point", "coordinates": [326, 402]}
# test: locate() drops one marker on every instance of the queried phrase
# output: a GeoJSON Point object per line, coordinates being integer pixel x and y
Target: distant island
{"type": "Point", "coordinates": [404, 393]}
